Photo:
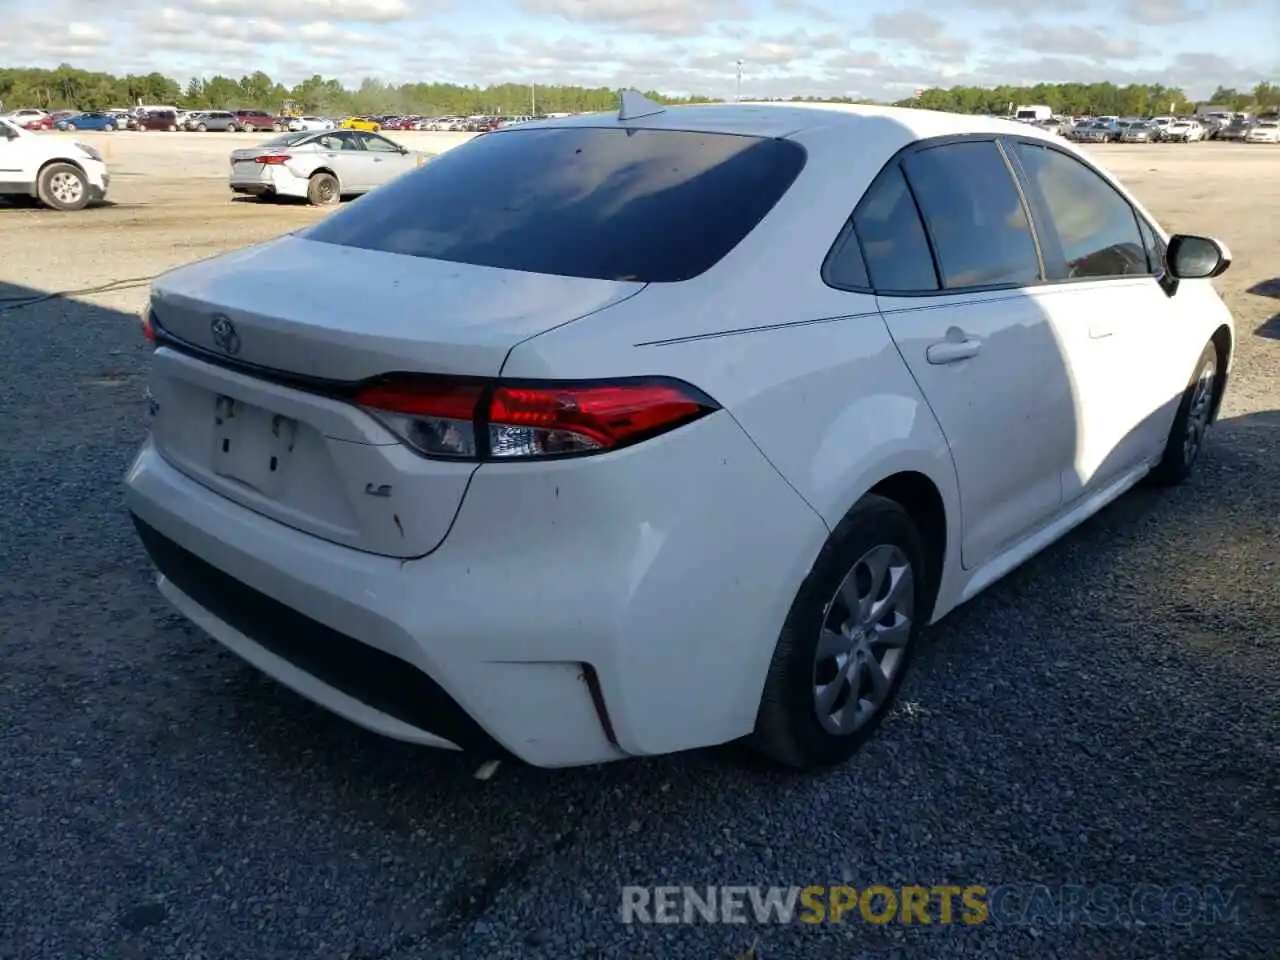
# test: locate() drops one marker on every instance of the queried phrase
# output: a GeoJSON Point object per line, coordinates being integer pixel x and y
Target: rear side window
{"type": "Point", "coordinates": [1095, 226]}
{"type": "Point", "coordinates": [653, 206]}
{"type": "Point", "coordinates": [892, 237]}
{"type": "Point", "coordinates": [975, 216]}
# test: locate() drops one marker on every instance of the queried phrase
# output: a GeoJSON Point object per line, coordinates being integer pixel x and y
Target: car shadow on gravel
{"type": "Point", "coordinates": [1269, 328]}
{"type": "Point", "coordinates": [1266, 288]}
{"type": "Point", "coordinates": [1104, 713]}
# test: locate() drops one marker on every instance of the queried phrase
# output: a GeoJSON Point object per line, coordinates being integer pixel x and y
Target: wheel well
{"type": "Point", "coordinates": [1221, 340]}
{"type": "Point", "coordinates": [324, 170]}
{"type": "Point", "coordinates": [918, 495]}
{"type": "Point", "coordinates": [48, 163]}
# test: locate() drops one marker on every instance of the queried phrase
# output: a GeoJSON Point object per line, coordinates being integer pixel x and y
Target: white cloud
{"type": "Point", "coordinates": [921, 30]}
{"type": "Point", "coordinates": [1069, 40]}
{"type": "Point", "coordinates": [667, 18]}
{"type": "Point", "coordinates": [356, 11]}
{"type": "Point", "coordinates": [880, 49]}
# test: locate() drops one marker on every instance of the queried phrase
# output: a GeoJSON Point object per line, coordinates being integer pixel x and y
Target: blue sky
{"type": "Point", "coordinates": [869, 48]}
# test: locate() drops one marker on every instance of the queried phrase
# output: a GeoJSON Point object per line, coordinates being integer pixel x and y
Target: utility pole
{"type": "Point", "coordinates": [533, 99]}
{"type": "Point", "coordinates": [738, 96]}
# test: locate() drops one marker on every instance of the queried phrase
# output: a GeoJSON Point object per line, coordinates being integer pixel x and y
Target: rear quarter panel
{"type": "Point", "coordinates": [809, 372]}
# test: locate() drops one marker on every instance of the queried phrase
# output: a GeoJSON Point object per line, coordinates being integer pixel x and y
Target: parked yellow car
{"type": "Point", "coordinates": [360, 123]}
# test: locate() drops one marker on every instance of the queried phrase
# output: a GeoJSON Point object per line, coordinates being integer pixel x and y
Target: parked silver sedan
{"type": "Point", "coordinates": [320, 166]}
{"type": "Point", "coordinates": [1138, 133]}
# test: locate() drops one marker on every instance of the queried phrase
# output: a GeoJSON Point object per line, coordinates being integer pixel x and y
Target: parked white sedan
{"type": "Point", "coordinates": [1184, 131]}
{"type": "Point", "coordinates": [610, 436]}
{"type": "Point", "coordinates": [321, 167]}
{"type": "Point", "coordinates": [1264, 131]}
{"type": "Point", "coordinates": [301, 124]}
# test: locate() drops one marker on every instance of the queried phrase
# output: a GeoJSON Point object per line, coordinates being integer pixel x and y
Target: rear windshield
{"type": "Point", "coordinates": [289, 139]}
{"type": "Point", "coordinates": [653, 206]}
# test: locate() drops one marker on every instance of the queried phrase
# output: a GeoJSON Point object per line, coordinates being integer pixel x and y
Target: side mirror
{"type": "Point", "coordinates": [1196, 258]}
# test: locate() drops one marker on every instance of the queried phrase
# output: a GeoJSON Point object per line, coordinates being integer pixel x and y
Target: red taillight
{"type": "Point", "coordinates": [273, 159]}
{"type": "Point", "coordinates": [148, 329]}
{"type": "Point", "coordinates": [468, 419]}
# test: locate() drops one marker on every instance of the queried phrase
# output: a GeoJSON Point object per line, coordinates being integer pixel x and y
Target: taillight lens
{"type": "Point", "coordinates": [273, 159]}
{"type": "Point", "coordinates": [148, 328]}
{"type": "Point", "coordinates": [478, 420]}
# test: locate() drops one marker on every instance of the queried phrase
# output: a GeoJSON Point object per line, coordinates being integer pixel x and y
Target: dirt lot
{"type": "Point", "coordinates": [1106, 714]}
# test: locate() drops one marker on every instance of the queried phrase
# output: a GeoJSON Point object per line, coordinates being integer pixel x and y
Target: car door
{"type": "Point", "coordinates": [346, 155]}
{"type": "Point", "coordinates": [388, 161]}
{"type": "Point", "coordinates": [950, 252]}
{"type": "Point", "coordinates": [11, 157]}
{"type": "Point", "coordinates": [1116, 322]}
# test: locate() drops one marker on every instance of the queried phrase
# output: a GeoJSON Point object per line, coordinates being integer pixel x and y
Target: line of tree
{"type": "Point", "coordinates": [68, 87]}
{"type": "Point", "coordinates": [1093, 99]}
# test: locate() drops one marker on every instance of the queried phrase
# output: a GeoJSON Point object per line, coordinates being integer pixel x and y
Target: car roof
{"type": "Point", "coordinates": [788, 119]}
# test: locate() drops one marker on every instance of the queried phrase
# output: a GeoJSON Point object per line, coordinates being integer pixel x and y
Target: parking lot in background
{"type": "Point", "coordinates": [1107, 713]}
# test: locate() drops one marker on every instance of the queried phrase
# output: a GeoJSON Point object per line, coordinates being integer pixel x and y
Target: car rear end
{"type": "Point", "coordinates": [279, 167]}
{"type": "Point", "coordinates": [342, 486]}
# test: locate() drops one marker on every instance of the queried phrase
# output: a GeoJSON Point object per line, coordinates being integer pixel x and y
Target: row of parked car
{"type": "Point", "coordinates": [1167, 129]}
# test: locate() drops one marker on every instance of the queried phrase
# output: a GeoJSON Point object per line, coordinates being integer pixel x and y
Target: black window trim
{"type": "Point", "coordinates": [1031, 208]}
{"type": "Point", "coordinates": [1139, 221]}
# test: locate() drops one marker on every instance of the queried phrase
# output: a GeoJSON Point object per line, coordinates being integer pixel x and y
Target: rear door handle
{"type": "Point", "coordinates": [1099, 331]}
{"type": "Point", "coordinates": [953, 351]}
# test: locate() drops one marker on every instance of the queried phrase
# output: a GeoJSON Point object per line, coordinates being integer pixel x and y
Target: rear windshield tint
{"type": "Point", "coordinates": [289, 139]}
{"type": "Point", "coordinates": [613, 204]}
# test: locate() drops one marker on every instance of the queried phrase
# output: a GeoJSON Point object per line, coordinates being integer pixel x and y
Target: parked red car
{"type": "Point", "coordinates": [154, 120]}
{"type": "Point", "coordinates": [251, 120]}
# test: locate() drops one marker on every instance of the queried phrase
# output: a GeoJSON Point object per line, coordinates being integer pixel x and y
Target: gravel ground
{"type": "Point", "coordinates": [1107, 714]}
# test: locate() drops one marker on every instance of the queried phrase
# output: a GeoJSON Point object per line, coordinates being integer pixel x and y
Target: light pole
{"type": "Point", "coordinates": [533, 99]}
{"type": "Point", "coordinates": [738, 96]}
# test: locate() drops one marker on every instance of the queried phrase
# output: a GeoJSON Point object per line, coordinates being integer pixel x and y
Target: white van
{"type": "Point", "coordinates": [1033, 113]}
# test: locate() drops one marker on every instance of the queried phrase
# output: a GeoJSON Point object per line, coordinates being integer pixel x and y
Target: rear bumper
{"type": "Point", "coordinates": [277, 181]}
{"type": "Point", "coordinates": [579, 611]}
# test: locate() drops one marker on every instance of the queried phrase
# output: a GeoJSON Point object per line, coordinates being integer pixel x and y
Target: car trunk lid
{"type": "Point", "coordinates": [258, 410]}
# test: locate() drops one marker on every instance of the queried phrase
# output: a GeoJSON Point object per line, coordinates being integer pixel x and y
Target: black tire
{"type": "Point", "coordinates": [249, 128]}
{"type": "Point", "coordinates": [202, 128]}
{"type": "Point", "coordinates": [69, 127]}
{"type": "Point", "coordinates": [58, 190]}
{"type": "Point", "coordinates": [1191, 423]}
{"type": "Point", "coordinates": [788, 729]}
{"type": "Point", "coordinates": [110, 127]}
{"type": "Point", "coordinates": [322, 190]}
{"type": "Point", "coordinates": [173, 128]}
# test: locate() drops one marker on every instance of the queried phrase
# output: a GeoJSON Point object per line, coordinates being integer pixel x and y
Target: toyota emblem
{"type": "Point", "coordinates": [225, 337]}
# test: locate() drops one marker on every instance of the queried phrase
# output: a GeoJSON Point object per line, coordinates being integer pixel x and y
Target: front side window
{"type": "Point", "coordinates": [378, 144]}
{"type": "Point", "coordinates": [1095, 227]}
{"type": "Point", "coordinates": [974, 214]}
{"type": "Point", "coordinates": [604, 203]}
{"type": "Point", "coordinates": [893, 240]}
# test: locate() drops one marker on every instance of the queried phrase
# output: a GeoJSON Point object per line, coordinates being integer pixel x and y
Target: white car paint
{"type": "Point", "coordinates": [1187, 131]}
{"type": "Point", "coordinates": [300, 124]}
{"type": "Point", "coordinates": [360, 160]}
{"type": "Point", "coordinates": [1264, 131]}
{"type": "Point", "coordinates": [669, 566]}
{"type": "Point", "coordinates": [24, 154]}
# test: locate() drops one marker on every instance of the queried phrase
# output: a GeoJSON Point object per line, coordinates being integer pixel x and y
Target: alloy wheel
{"type": "Point", "coordinates": [1198, 412]}
{"type": "Point", "coordinates": [66, 188]}
{"type": "Point", "coordinates": [865, 631]}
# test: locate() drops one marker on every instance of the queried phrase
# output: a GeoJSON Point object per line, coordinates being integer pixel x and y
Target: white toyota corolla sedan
{"type": "Point", "coordinates": [615, 435]}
